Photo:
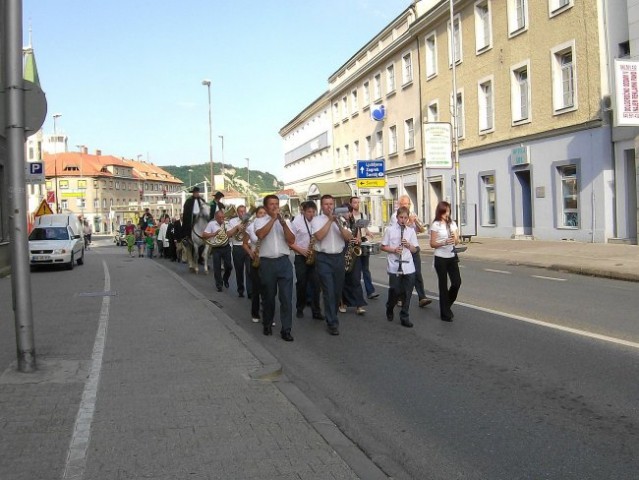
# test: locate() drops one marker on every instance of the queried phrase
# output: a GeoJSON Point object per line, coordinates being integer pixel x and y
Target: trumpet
{"type": "Point", "coordinates": [285, 212]}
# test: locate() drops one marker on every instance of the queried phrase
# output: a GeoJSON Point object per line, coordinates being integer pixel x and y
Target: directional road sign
{"type": "Point", "coordinates": [367, 169]}
{"type": "Point", "coordinates": [371, 183]}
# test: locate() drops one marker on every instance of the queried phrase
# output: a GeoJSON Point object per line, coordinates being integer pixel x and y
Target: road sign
{"type": "Point", "coordinates": [371, 169]}
{"type": "Point", "coordinates": [50, 197]}
{"type": "Point", "coordinates": [365, 183]}
{"type": "Point", "coordinates": [43, 209]}
{"type": "Point", "coordinates": [34, 172]}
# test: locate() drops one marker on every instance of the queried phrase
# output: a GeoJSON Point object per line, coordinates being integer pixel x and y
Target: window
{"type": "Point", "coordinates": [379, 145]}
{"type": "Point", "coordinates": [564, 78]}
{"type": "Point", "coordinates": [377, 86]}
{"type": "Point", "coordinates": [117, 185]}
{"type": "Point", "coordinates": [555, 7]}
{"type": "Point", "coordinates": [369, 148]}
{"type": "Point", "coordinates": [354, 105]}
{"type": "Point", "coordinates": [517, 16]}
{"type": "Point", "coordinates": [392, 140]}
{"type": "Point", "coordinates": [433, 112]}
{"type": "Point", "coordinates": [63, 184]}
{"type": "Point", "coordinates": [355, 151]}
{"type": "Point", "coordinates": [81, 202]}
{"type": "Point", "coordinates": [338, 160]}
{"type": "Point", "coordinates": [347, 156]}
{"type": "Point", "coordinates": [335, 116]}
{"type": "Point", "coordinates": [64, 204]}
{"type": "Point", "coordinates": [367, 94]}
{"type": "Point", "coordinates": [409, 134]}
{"type": "Point", "coordinates": [82, 184]}
{"type": "Point", "coordinates": [407, 69]}
{"type": "Point", "coordinates": [520, 94]}
{"type": "Point", "coordinates": [390, 78]}
{"type": "Point", "coordinates": [489, 202]}
{"type": "Point", "coordinates": [344, 107]}
{"type": "Point", "coordinates": [486, 105]}
{"type": "Point", "coordinates": [454, 36]}
{"type": "Point", "coordinates": [104, 203]}
{"type": "Point", "coordinates": [483, 26]}
{"type": "Point", "coordinates": [460, 115]}
{"type": "Point", "coordinates": [96, 204]}
{"type": "Point", "coordinates": [569, 196]}
{"type": "Point", "coordinates": [431, 55]}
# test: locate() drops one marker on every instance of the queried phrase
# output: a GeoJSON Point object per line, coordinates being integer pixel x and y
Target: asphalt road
{"type": "Point", "coordinates": [489, 396]}
{"type": "Point", "coordinates": [500, 393]}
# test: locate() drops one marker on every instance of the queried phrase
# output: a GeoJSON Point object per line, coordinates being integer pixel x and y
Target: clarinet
{"type": "Point", "coordinates": [400, 269]}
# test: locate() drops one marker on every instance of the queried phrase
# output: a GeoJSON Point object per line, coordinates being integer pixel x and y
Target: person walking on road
{"type": "Point", "coordinates": [444, 235]}
{"type": "Point", "coordinates": [241, 261]}
{"type": "Point", "coordinates": [129, 235]}
{"type": "Point", "coordinates": [364, 259]}
{"type": "Point", "coordinates": [400, 243]}
{"type": "Point", "coordinates": [251, 247]}
{"type": "Point", "coordinates": [329, 259]}
{"type": "Point", "coordinates": [305, 272]}
{"type": "Point", "coordinates": [413, 222]}
{"type": "Point", "coordinates": [221, 254]}
{"type": "Point", "coordinates": [276, 271]}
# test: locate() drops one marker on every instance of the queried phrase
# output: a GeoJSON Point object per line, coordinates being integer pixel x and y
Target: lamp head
{"type": "Point", "coordinates": [206, 82]}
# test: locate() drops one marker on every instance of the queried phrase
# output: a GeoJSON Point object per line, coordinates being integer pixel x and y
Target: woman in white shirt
{"type": "Point", "coordinates": [444, 235]}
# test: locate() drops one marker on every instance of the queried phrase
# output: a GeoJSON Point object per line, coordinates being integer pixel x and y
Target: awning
{"type": "Point", "coordinates": [336, 189]}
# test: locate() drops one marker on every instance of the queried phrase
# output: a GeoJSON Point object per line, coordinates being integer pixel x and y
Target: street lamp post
{"type": "Point", "coordinates": [207, 83]}
{"type": "Point", "coordinates": [190, 183]}
{"type": "Point", "coordinates": [455, 120]}
{"type": "Point", "coordinates": [82, 191]}
{"type": "Point", "coordinates": [55, 159]}
{"type": "Point", "coordinates": [248, 173]}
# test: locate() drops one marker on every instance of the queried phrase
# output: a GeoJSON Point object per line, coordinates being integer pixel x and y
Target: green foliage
{"type": "Point", "coordinates": [235, 178]}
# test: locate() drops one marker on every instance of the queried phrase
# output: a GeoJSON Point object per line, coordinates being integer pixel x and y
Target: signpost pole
{"type": "Point", "coordinates": [15, 130]}
{"type": "Point", "coordinates": [455, 120]}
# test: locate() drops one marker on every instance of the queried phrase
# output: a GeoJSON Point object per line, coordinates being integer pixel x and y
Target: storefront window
{"type": "Point", "coordinates": [489, 200]}
{"type": "Point", "coordinates": [569, 196]}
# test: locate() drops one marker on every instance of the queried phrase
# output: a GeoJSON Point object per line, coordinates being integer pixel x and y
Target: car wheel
{"type": "Point", "coordinates": [70, 264]}
{"type": "Point", "coordinates": [81, 259]}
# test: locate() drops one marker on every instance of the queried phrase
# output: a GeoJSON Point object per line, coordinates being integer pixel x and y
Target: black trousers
{"type": "Point", "coordinates": [419, 280]}
{"type": "Point", "coordinates": [220, 255]}
{"type": "Point", "coordinates": [353, 294]}
{"type": "Point", "coordinates": [400, 287]}
{"type": "Point", "coordinates": [330, 270]}
{"type": "Point", "coordinates": [277, 280]}
{"type": "Point", "coordinates": [256, 292]}
{"type": "Point", "coordinates": [447, 268]}
{"type": "Point", "coordinates": [305, 274]}
{"type": "Point", "coordinates": [242, 263]}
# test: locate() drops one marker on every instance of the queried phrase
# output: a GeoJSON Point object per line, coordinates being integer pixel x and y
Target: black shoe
{"type": "Point", "coordinates": [333, 330]}
{"type": "Point", "coordinates": [286, 336]}
{"type": "Point", "coordinates": [219, 289]}
{"type": "Point", "coordinates": [249, 296]}
{"type": "Point", "coordinates": [241, 294]}
{"type": "Point", "coordinates": [390, 316]}
{"type": "Point", "coordinates": [373, 295]}
{"type": "Point", "coordinates": [299, 314]}
{"type": "Point", "coordinates": [407, 324]}
{"type": "Point", "coordinates": [226, 283]}
{"type": "Point", "coordinates": [318, 316]}
{"type": "Point", "coordinates": [267, 330]}
{"type": "Point", "coordinates": [447, 319]}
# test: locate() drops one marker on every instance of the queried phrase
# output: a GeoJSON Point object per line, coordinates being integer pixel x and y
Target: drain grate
{"type": "Point", "coordinates": [110, 293]}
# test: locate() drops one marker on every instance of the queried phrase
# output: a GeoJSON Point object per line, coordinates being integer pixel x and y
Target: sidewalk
{"type": "Point", "coordinates": [183, 392]}
{"type": "Point", "coordinates": [619, 262]}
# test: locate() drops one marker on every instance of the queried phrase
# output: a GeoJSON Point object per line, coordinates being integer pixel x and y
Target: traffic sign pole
{"type": "Point", "coordinates": [15, 130]}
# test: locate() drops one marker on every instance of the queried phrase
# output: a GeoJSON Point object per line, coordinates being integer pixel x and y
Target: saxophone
{"type": "Point", "coordinates": [352, 252]}
{"type": "Point", "coordinates": [255, 263]}
{"type": "Point", "coordinates": [310, 259]}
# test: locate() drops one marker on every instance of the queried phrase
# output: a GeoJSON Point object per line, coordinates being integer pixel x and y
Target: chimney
{"type": "Point", "coordinates": [85, 150]}
{"type": "Point", "coordinates": [98, 152]}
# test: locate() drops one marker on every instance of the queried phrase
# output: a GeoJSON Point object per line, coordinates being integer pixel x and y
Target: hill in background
{"type": "Point", "coordinates": [234, 178]}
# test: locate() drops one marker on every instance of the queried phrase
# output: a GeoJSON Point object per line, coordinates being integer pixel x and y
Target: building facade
{"type": "Point", "coordinates": [538, 154]}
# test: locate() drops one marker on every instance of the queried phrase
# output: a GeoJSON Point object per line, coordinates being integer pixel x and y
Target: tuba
{"type": "Point", "coordinates": [239, 236]}
{"type": "Point", "coordinates": [230, 212]}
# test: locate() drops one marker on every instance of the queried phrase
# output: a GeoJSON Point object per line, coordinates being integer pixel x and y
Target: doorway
{"type": "Point", "coordinates": [435, 195]}
{"type": "Point", "coordinates": [523, 214]}
{"type": "Point", "coordinates": [631, 175]}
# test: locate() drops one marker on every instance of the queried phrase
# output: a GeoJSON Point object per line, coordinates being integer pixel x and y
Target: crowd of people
{"type": "Point", "coordinates": [331, 258]}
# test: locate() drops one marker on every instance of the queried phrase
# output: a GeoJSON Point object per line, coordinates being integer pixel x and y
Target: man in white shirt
{"type": "Point", "coordinates": [220, 254]}
{"type": "Point", "coordinates": [305, 275]}
{"type": "Point", "coordinates": [413, 223]}
{"type": "Point", "coordinates": [331, 237]}
{"type": "Point", "coordinates": [241, 261]}
{"type": "Point", "coordinates": [276, 271]}
{"type": "Point", "coordinates": [364, 259]}
{"type": "Point", "coordinates": [400, 242]}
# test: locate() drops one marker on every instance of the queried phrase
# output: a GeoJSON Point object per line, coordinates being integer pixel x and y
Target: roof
{"type": "Point", "coordinates": [336, 189]}
{"type": "Point", "coordinates": [81, 164]}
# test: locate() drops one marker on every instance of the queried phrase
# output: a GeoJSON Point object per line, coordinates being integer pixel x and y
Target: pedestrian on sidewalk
{"type": "Point", "coordinates": [444, 235]}
{"type": "Point", "coordinates": [400, 242]}
{"type": "Point", "coordinates": [276, 271]}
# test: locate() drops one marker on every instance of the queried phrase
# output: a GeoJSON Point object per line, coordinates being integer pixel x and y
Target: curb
{"type": "Point", "coordinates": [272, 371]}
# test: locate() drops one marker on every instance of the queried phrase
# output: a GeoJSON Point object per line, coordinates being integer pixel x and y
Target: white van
{"type": "Point", "coordinates": [56, 239]}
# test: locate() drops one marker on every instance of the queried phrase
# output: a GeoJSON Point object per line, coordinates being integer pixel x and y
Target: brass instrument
{"type": "Point", "coordinates": [310, 259]}
{"type": "Point", "coordinates": [255, 263]}
{"type": "Point", "coordinates": [230, 212]}
{"type": "Point", "coordinates": [285, 212]}
{"type": "Point", "coordinates": [352, 251]}
{"type": "Point", "coordinates": [239, 236]}
{"type": "Point", "coordinates": [221, 238]}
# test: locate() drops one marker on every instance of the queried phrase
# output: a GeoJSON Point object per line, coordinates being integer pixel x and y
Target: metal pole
{"type": "Point", "coordinates": [455, 120]}
{"type": "Point", "coordinates": [55, 159]}
{"type": "Point", "coordinates": [15, 131]}
{"type": "Point", "coordinates": [248, 172]}
{"type": "Point", "coordinates": [208, 88]}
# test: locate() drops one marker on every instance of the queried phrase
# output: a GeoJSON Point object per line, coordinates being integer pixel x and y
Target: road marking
{"type": "Point", "coordinates": [521, 318]}
{"type": "Point", "coordinates": [492, 270]}
{"type": "Point", "coordinates": [77, 454]}
{"type": "Point", "coordinates": [556, 279]}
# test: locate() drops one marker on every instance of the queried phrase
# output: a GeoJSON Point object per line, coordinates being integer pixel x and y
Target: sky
{"type": "Point", "coordinates": [126, 75]}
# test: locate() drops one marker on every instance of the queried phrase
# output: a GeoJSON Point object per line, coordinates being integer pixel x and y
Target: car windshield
{"type": "Point", "coordinates": [49, 233]}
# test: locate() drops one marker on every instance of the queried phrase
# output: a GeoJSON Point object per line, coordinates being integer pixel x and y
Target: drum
{"type": "Point", "coordinates": [370, 248]}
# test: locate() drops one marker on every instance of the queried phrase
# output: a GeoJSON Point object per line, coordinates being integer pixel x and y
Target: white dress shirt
{"type": "Point", "coordinates": [234, 222]}
{"type": "Point", "coordinates": [440, 232]}
{"type": "Point", "coordinates": [333, 242]}
{"type": "Point", "coordinates": [214, 227]}
{"type": "Point", "coordinates": [250, 231]}
{"type": "Point", "coordinates": [274, 244]}
{"type": "Point", "coordinates": [393, 221]}
{"type": "Point", "coordinates": [392, 238]}
{"type": "Point", "coordinates": [301, 228]}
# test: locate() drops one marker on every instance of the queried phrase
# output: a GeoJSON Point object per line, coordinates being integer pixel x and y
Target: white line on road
{"type": "Point", "coordinates": [492, 270]}
{"type": "Point", "coordinates": [556, 279]}
{"type": "Point", "coordinates": [77, 454]}
{"type": "Point", "coordinates": [521, 318]}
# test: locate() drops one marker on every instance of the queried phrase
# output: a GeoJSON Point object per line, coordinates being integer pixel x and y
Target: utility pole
{"type": "Point", "coordinates": [453, 47]}
{"type": "Point", "coordinates": [207, 84]}
{"type": "Point", "coordinates": [15, 134]}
